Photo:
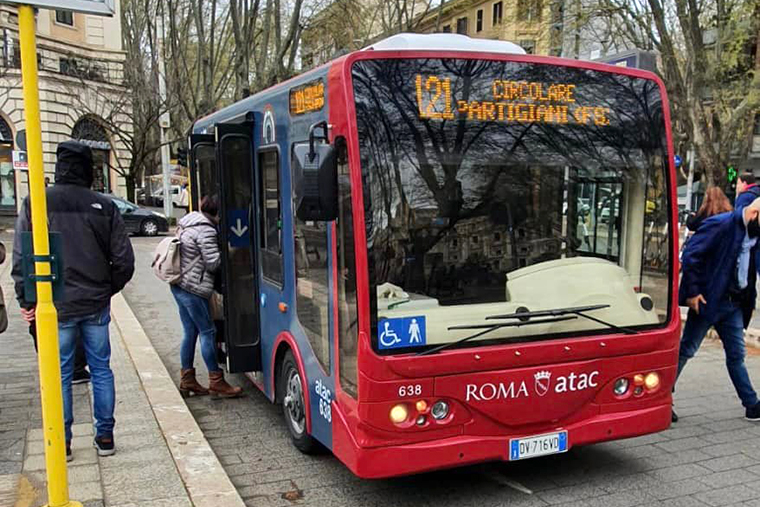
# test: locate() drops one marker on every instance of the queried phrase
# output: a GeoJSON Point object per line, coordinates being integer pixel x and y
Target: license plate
{"type": "Point", "coordinates": [541, 445]}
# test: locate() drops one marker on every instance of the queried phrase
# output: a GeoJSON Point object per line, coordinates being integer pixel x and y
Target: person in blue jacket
{"type": "Point", "coordinates": [718, 286]}
{"type": "Point", "coordinates": [746, 190]}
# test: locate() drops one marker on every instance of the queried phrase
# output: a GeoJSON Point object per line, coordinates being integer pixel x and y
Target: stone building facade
{"type": "Point", "coordinates": [82, 96]}
{"type": "Point", "coordinates": [529, 23]}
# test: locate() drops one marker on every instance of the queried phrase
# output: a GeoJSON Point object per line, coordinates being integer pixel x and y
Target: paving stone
{"type": "Point", "coordinates": [729, 478]}
{"type": "Point", "coordinates": [163, 502]}
{"type": "Point", "coordinates": [571, 493]}
{"type": "Point", "coordinates": [121, 475]}
{"type": "Point", "coordinates": [83, 473]}
{"type": "Point", "coordinates": [682, 444]}
{"type": "Point", "coordinates": [680, 472]}
{"type": "Point", "coordinates": [680, 502]}
{"type": "Point", "coordinates": [730, 462]}
{"type": "Point", "coordinates": [728, 495]}
{"type": "Point", "coordinates": [677, 489]}
{"type": "Point", "coordinates": [33, 463]}
{"type": "Point", "coordinates": [85, 491]}
{"type": "Point", "coordinates": [139, 491]}
{"type": "Point", "coordinates": [622, 499]}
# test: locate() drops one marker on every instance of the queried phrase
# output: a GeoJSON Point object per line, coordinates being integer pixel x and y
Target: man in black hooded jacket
{"type": "Point", "coordinates": [98, 262]}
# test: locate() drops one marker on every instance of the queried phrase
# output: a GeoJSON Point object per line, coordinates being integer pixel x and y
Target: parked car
{"type": "Point", "coordinates": [139, 220]}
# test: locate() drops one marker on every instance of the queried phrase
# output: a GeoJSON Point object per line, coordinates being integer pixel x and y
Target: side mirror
{"type": "Point", "coordinates": [316, 178]}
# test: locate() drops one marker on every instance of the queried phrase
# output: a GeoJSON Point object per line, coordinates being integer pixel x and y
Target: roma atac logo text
{"type": "Point", "coordinates": [542, 384]}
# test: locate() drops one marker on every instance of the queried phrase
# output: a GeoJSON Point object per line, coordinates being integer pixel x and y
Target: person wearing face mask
{"type": "Point", "coordinates": [718, 286]}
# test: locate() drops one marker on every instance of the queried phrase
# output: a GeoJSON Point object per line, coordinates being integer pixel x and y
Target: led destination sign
{"type": "Point", "coordinates": [510, 101]}
{"type": "Point", "coordinates": [307, 98]}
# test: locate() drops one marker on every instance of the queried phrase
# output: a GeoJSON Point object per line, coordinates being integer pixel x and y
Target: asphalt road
{"type": "Point", "coordinates": [711, 457]}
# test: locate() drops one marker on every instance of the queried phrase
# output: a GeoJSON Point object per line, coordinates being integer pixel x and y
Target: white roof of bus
{"type": "Point", "coordinates": [445, 42]}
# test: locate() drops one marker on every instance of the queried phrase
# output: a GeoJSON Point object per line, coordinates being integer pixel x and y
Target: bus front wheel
{"type": "Point", "coordinates": [290, 391]}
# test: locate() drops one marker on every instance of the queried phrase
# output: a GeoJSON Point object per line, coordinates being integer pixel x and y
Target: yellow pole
{"type": "Point", "coordinates": [47, 319]}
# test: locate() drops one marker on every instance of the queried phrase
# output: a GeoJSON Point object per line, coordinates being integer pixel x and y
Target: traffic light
{"type": "Point", "coordinates": [182, 157]}
{"type": "Point", "coordinates": [731, 174]}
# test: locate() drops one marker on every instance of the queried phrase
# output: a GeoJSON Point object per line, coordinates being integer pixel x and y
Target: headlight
{"type": "Point", "coordinates": [159, 215]}
{"type": "Point", "coordinates": [621, 386]}
{"type": "Point", "coordinates": [399, 413]}
{"type": "Point", "coordinates": [652, 381]}
{"type": "Point", "coordinates": [440, 410]}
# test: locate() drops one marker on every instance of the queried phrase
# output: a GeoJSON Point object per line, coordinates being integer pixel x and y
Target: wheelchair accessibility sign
{"type": "Point", "coordinates": [402, 332]}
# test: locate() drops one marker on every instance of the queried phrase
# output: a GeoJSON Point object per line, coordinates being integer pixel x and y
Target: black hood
{"type": "Point", "coordinates": [74, 164]}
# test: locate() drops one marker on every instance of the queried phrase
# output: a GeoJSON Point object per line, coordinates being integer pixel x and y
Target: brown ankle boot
{"type": "Point", "coordinates": [189, 385]}
{"type": "Point", "coordinates": [219, 387]}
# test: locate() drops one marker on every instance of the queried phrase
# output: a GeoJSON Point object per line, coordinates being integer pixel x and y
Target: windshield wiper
{"type": "Point", "coordinates": [524, 317]}
{"type": "Point", "coordinates": [573, 310]}
{"type": "Point", "coordinates": [487, 328]}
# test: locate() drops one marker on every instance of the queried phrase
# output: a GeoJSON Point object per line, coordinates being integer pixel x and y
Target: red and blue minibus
{"type": "Point", "coordinates": [440, 251]}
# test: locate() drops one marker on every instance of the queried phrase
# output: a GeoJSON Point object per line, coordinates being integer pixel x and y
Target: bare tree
{"type": "Point", "coordinates": [402, 15]}
{"type": "Point", "coordinates": [713, 80]}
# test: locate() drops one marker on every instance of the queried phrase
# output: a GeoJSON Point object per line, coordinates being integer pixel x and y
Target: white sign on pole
{"type": "Point", "coordinates": [20, 162]}
{"type": "Point", "coordinates": [97, 7]}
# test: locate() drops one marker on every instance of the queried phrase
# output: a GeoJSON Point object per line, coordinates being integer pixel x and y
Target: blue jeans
{"type": "Point", "coordinates": [196, 320]}
{"type": "Point", "coordinates": [729, 324]}
{"type": "Point", "coordinates": [97, 347]}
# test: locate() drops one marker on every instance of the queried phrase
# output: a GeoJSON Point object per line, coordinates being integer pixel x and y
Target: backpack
{"type": "Point", "coordinates": [167, 263]}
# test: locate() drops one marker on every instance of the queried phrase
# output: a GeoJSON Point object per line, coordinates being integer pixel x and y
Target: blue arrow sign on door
{"type": "Point", "coordinates": [237, 224]}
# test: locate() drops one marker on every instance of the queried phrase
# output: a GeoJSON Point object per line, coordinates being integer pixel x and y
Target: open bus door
{"type": "Point", "coordinates": [222, 164]}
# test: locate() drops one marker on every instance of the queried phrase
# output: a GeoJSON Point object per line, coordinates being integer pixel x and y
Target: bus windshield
{"type": "Point", "coordinates": [494, 187]}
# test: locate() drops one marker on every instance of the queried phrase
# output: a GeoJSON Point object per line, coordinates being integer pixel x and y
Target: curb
{"type": "Point", "coordinates": [203, 475]}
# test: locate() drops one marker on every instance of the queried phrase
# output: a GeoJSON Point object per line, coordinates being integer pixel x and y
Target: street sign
{"type": "Point", "coordinates": [635, 58]}
{"type": "Point", "coordinates": [20, 162]}
{"type": "Point", "coordinates": [678, 161]}
{"type": "Point", "coordinates": [237, 220]}
{"type": "Point", "coordinates": [97, 7]}
{"type": "Point", "coordinates": [402, 332]}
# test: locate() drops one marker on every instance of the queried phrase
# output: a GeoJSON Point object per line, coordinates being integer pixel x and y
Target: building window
{"type": "Point", "coordinates": [529, 46]}
{"type": "Point", "coordinates": [756, 129]}
{"type": "Point", "coordinates": [90, 131]}
{"type": "Point", "coordinates": [64, 18]}
{"type": "Point", "coordinates": [529, 10]}
{"type": "Point", "coordinates": [475, 240]}
{"type": "Point", "coordinates": [462, 26]}
{"type": "Point", "coordinates": [497, 236]}
{"type": "Point", "coordinates": [447, 29]}
{"type": "Point", "coordinates": [498, 9]}
{"type": "Point", "coordinates": [479, 26]}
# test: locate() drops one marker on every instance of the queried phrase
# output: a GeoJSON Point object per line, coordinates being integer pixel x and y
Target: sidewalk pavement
{"type": "Point", "coordinates": [146, 470]}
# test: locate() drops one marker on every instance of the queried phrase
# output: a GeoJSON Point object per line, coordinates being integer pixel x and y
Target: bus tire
{"type": "Point", "coordinates": [290, 391]}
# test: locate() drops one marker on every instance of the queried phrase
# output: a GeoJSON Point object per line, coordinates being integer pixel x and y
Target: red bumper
{"type": "Point", "coordinates": [463, 450]}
